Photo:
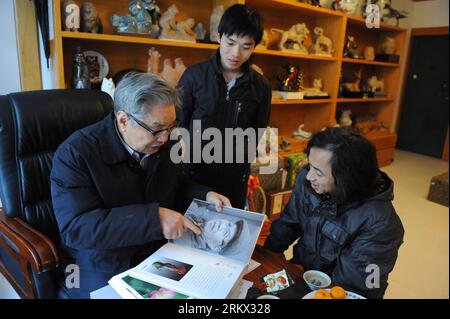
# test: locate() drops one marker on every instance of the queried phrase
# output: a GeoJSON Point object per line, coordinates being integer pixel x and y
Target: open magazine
{"type": "Point", "coordinates": [206, 266]}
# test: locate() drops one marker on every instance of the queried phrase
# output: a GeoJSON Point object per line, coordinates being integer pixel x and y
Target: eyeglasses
{"type": "Point", "coordinates": [155, 133]}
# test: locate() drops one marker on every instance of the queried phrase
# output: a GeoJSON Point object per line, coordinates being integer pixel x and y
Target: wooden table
{"type": "Point", "coordinates": [273, 262]}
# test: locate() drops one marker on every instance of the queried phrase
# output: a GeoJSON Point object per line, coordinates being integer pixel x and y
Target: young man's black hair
{"type": "Point", "coordinates": [242, 20]}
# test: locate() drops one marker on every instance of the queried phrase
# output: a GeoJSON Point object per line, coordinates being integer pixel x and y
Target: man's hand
{"type": "Point", "coordinates": [173, 224]}
{"type": "Point", "coordinates": [219, 200]}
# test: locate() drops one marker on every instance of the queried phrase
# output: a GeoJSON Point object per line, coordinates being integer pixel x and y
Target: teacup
{"type": "Point", "coordinates": [316, 279]}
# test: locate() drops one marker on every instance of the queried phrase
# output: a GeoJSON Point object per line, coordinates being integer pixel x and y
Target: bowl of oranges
{"type": "Point", "coordinates": [335, 292]}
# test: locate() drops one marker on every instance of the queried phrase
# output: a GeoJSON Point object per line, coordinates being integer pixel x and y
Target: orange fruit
{"type": "Point", "coordinates": [338, 293]}
{"type": "Point", "coordinates": [322, 294]}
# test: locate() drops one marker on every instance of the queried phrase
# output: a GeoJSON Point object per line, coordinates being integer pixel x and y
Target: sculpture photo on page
{"type": "Point", "coordinates": [228, 233]}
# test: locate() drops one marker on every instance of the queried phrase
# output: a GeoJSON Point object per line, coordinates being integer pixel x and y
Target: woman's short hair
{"type": "Point", "coordinates": [137, 92]}
{"type": "Point", "coordinates": [353, 163]}
{"type": "Point", "coordinates": [242, 20]}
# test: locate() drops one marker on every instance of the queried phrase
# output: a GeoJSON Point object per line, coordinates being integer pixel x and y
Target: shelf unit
{"type": "Point", "coordinates": [130, 51]}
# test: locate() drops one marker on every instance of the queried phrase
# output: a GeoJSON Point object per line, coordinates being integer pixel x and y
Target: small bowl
{"type": "Point", "coordinates": [316, 279]}
{"type": "Point", "coordinates": [268, 297]}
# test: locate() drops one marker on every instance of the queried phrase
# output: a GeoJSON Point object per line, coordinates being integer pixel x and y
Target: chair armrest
{"type": "Point", "coordinates": [34, 253]}
{"type": "Point", "coordinates": [25, 244]}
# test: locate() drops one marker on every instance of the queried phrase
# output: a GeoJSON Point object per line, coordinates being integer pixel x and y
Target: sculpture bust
{"type": "Point", "coordinates": [388, 46]}
{"type": "Point", "coordinates": [369, 53]}
{"type": "Point", "coordinates": [90, 21]}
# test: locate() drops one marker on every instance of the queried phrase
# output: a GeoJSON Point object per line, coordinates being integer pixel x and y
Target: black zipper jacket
{"type": "Point", "coordinates": [346, 241]}
{"type": "Point", "coordinates": [205, 98]}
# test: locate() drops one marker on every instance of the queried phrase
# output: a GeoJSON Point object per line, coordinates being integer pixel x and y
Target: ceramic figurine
{"type": "Point", "coordinates": [375, 85]}
{"type": "Point", "coordinates": [153, 61]}
{"type": "Point", "coordinates": [369, 53]}
{"type": "Point", "coordinates": [71, 15]}
{"type": "Point", "coordinates": [351, 48]}
{"type": "Point", "coordinates": [143, 18]}
{"type": "Point", "coordinates": [170, 73]}
{"type": "Point", "coordinates": [167, 23]}
{"type": "Point", "coordinates": [184, 30]}
{"type": "Point", "coordinates": [315, 91]}
{"type": "Point", "coordinates": [173, 74]}
{"type": "Point", "coordinates": [345, 119]}
{"type": "Point", "coordinates": [155, 13]}
{"type": "Point", "coordinates": [354, 86]}
{"type": "Point", "coordinates": [200, 32]}
{"type": "Point", "coordinates": [153, 9]}
{"type": "Point", "coordinates": [387, 46]}
{"type": "Point", "coordinates": [322, 44]}
{"type": "Point", "coordinates": [389, 13]}
{"type": "Point", "coordinates": [346, 6]}
{"type": "Point", "coordinates": [124, 24]}
{"type": "Point", "coordinates": [299, 132]}
{"type": "Point", "coordinates": [293, 39]}
{"type": "Point", "coordinates": [90, 21]}
{"type": "Point", "coordinates": [292, 80]}
{"type": "Point", "coordinates": [214, 23]}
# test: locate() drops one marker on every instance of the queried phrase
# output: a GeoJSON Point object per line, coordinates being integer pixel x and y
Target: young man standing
{"type": "Point", "coordinates": [225, 92]}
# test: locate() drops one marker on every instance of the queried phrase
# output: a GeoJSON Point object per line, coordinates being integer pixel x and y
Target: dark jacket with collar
{"type": "Point", "coordinates": [205, 98]}
{"type": "Point", "coordinates": [341, 240]}
{"type": "Point", "coordinates": [105, 204]}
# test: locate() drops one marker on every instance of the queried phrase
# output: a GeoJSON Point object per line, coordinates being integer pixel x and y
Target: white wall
{"type": "Point", "coordinates": [429, 14]}
{"type": "Point", "coordinates": [9, 61]}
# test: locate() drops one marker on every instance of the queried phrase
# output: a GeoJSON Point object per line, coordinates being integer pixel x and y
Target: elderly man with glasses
{"type": "Point", "coordinates": [115, 190]}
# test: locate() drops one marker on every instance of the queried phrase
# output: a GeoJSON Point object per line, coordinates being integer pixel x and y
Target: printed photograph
{"type": "Point", "coordinates": [231, 233]}
{"type": "Point", "coordinates": [150, 291]}
{"type": "Point", "coordinates": [169, 268]}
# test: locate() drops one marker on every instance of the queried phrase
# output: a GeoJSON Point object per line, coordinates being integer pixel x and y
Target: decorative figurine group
{"type": "Point", "coordinates": [371, 86]}
{"type": "Point", "coordinates": [145, 18]}
{"type": "Point", "coordinates": [293, 40]}
{"type": "Point", "coordinates": [385, 51]}
{"type": "Point", "coordinates": [383, 9]}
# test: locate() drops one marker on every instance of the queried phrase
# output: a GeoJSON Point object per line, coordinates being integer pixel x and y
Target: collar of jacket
{"type": "Point", "coordinates": [326, 206]}
{"type": "Point", "coordinates": [217, 66]}
{"type": "Point", "coordinates": [111, 147]}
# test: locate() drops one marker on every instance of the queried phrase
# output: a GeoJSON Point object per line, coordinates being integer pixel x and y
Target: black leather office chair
{"type": "Point", "coordinates": [32, 126]}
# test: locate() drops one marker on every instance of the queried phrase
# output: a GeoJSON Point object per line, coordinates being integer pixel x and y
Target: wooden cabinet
{"type": "Point", "coordinates": [125, 51]}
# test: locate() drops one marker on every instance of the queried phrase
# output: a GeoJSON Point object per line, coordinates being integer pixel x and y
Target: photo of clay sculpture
{"type": "Point", "coordinates": [223, 233]}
